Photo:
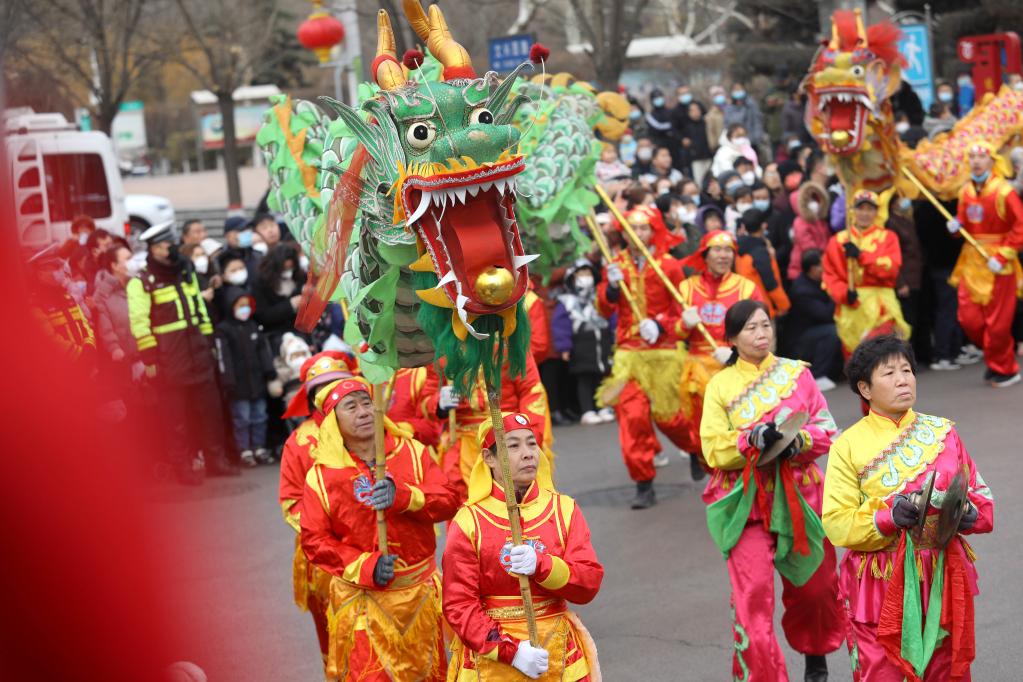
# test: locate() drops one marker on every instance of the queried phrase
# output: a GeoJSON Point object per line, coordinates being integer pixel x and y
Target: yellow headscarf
{"type": "Point", "coordinates": [330, 447]}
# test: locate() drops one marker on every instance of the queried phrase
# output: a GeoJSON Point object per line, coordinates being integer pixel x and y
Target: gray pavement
{"type": "Point", "coordinates": [663, 610]}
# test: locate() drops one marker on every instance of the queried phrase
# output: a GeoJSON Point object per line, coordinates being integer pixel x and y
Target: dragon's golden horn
{"type": "Point", "coordinates": [386, 70]}
{"type": "Point", "coordinates": [453, 56]}
{"type": "Point", "coordinates": [861, 32]}
{"type": "Point", "coordinates": [417, 18]}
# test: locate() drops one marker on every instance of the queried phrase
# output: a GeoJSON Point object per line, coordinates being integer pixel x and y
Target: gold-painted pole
{"type": "Point", "coordinates": [605, 251]}
{"type": "Point", "coordinates": [381, 396]}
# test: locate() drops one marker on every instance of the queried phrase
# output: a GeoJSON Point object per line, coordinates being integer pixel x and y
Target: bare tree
{"type": "Point", "coordinates": [225, 43]}
{"type": "Point", "coordinates": [102, 48]}
{"type": "Point", "coordinates": [608, 26]}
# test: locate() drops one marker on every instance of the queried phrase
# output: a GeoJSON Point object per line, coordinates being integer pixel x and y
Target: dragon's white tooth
{"type": "Point", "coordinates": [473, 189]}
{"type": "Point", "coordinates": [499, 185]}
{"type": "Point", "coordinates": [424, 203]}
{"type": "Point", "coordinates": [460, 194]}
{"type": "Point", "coordinates": [485, 186]}
{"type": "Point", "coordinates": [521, 261]}
{"type": "Point", "coordinates": [438, 197]}
{"type": "Point", "coordinates": [446, 279]}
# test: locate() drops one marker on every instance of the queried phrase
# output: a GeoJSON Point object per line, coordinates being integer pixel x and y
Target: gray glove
{"type": "Point", "coordinates": [904, 513]}
{"type": "Point", "coordinates": [793, 448]}
{"type": "Point", "coordinates": [381, 496]}
{"type": "Point", "coordinates": [383, 572]}
{"type": "Point", "coordinates": [764, 436]}
{"type": "Point", "coordinates": [969, 518]}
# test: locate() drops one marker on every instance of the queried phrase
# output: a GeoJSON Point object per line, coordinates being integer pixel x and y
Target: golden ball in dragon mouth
{"type": "Point", "coordinates": [840, 138]}
{"type": "Point", "coordinates": [494, 285]}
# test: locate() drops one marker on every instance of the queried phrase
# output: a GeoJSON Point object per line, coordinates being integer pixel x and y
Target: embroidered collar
{"type": "Point", "coordinates": [885, 423]}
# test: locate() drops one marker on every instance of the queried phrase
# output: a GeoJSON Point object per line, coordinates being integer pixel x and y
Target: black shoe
{"type": "Point", "coordinates": [1004, 380]}
{"type": "Point", "coordinates": [988, 374]}
{"type": "Point", "coordinates": [645, 495]}
{"type": "Point", "coordinates": [558, 419]}
{"type": "Point", "coordinates": [816, 669]}
{"type": "Point", "coordinates": [696, 469]}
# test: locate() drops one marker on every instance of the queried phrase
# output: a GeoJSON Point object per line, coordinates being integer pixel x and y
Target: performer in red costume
{"type": "Point", "coordinates": [647, 359]}
{"type": "Point", "coordinates": [384, 608]}
{"type": "Point", "coordinates": [311, 585]}
{"type": "Point", "coordinates": [707, 296]}
{"type": "Point", "coordinates": [482, 602]}
{"type": "Point", "coordinates": [993, 213]}
{"type": "Point", "coordinates": [411, 386]}
{"type": "Point", "coordinates": [870, 308]}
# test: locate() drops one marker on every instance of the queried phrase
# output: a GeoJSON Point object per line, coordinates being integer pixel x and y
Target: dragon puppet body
{"type": "Point", "coordinates": [849, 112]}
{"type": "Point", "coordinates": [415, 208]}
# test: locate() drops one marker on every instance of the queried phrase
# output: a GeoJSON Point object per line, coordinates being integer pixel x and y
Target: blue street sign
{"type": "Point", "coordinates": [507, 52]}
{"type": "Point", "coordinates": [915, 46]}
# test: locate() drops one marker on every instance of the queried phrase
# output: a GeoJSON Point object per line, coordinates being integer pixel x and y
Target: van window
{"type": "Point", "coordinates": [76, 184]}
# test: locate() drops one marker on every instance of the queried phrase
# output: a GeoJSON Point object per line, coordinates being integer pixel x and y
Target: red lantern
{"type": "Point", "coordinates": [320, 32]}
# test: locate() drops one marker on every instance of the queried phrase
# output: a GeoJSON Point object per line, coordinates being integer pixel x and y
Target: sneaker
{"type": "Point", "coordinates": [969, 355]}
{"type": "Point", "coordinates": [590, 418]}
{"type": "Point", "coordinates": [645, 495]}
{"type": "Point", "coordinates": [1004, 380]}
{"type": "Point", "coordinates": [249, 458]}
{"type": "Point", "coordinates": [696, 469]}
{"type": "Point", "coordinates": [263, 456]}
{"type": "Point", "coordinates": [661, 459]}
{"type": "Point", "coordinates": [945, 366]}
{"type": "Point", "coordinates": [606, 414]}
{"type": "Point", "coordinates": [825, 384]}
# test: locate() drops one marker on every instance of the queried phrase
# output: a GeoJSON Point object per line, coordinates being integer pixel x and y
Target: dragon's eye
{"type": "Point", "coordinates": [858, 71]}
{"type": "Point", "coordinates": [481, 115]}
{"type": "Point", "coordinates": [420, 135]}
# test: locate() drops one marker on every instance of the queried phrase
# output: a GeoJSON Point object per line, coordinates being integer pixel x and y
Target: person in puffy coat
{"type": "Point", "coordinates": [810, 229]}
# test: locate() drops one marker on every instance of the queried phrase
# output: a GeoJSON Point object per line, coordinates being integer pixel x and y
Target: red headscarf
{"type": "Point", "coordinates": [663, 240]}
{"type": "Point", "coordinates": [513, 421]}
{"type": "Point", "coordinates": [697, 260]}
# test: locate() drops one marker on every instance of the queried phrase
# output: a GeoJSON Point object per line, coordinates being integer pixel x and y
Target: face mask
{"type": "Point", "coordinates": [202, 264]}
{"type": "Point", "coordinates": [303, 264]}
{"type": "Point", "coordinates": [945, 96]}
{"type": "Point", "coordinates": [741, 141]}
{"type": "Point", "coordinates": [901, 127]}
{"type": "Point", "coordinates": [245, 239]}
{"type": "Point", "coordinates": [814, 206]}
{"type": "Point", "coordinates": [964, 82]}
{"type": "Point", "coordinates": [657, 101]}
{"type": "Point", "coordinates": [295, 362]}
{"type": "Point", "coordinates": [260, 247]}
{"type": "Point", "coordinates": [644, 153]}
{"type": "Point", "coordinates": [287, 274]}
{"type": "Point", "coordinates": [685, 99]}
{"type": "Point", "coordinates": [905, 204]}
{"type": "Point", "coordinates": [733, 187]}
{"type": "Point", "coordinates": [696, 199]}
{"type": "Point", "coordinates": [686, 216]}
{"type": "Point", "coordinates": [739, 95]}
{"type": "Point", "coordinates": [1018, 85]}
{"type": "Point", "coordinates": [243, 313]}
{"type": "Point", "coordinates": [742, 208]}
{"type": "Point", "coordinates": [583, 283]}
{"type": "Point", "coordinates": [749, 177]}
{"type": "Point", "coordinates": [83, 237]}
{"type": "Point", "coordinates": [761, 204]}
{"type": "Point", "coordinates": [794, 144]}
{"type": "Point", "coordinates": [134, 267]}
{"type": "Point", "coordinates": [980, 178]}
{"type": "Point", "coordinates": [238, 277]}
{"type": "Point", "coordinates": [635, 114]}
{"type": "Point", "coordinates": [719, 100]}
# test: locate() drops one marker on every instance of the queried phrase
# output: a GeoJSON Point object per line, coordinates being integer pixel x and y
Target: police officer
{"type": "Point", "coordinates": [173, 332]}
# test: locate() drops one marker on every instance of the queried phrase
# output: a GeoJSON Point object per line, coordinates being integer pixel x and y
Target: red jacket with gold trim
{"type": "Point", "coordinates": [652, 299]}
{"type": "Point", "coordinates": [712, 296]}
{"type": "Point", "coordinates": [878, 264]}
{"type": "Point", "coordinates": [995, 210]}
{"type": "Point", "coordinates": [296, 461]}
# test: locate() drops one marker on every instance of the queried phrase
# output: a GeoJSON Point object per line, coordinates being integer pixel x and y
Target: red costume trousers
{"type": "Point", "coordinates": [813, 620]}
{"type": "Point", "coordinates": [636, 432]}
{"type": "Point", "coordinates": [871, 665]}
{"type": "Point", "coordinates": [990, 326]}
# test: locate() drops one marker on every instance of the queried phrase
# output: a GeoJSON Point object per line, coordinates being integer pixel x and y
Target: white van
{"type": "Point", "coordinates": [59, 173]}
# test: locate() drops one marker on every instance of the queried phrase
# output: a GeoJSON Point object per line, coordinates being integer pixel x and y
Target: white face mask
{"type": "Point", "coordinates": [814, 207]}
{"type": "Point", "coordinates": [202, 264]}
{"type": "Point", "coordinates": [83, 237]}
{"type": "Point", "coordinates": [742, 208]}
{"type": "Point", "coordinates": [243, 313]}
{"type": "Point", "coordinates": [644, 153]}
{"type": "Point", "coordinates": [901, 127]}
{"type": "Point", "coordinates": [238, 277]}
{"type": "Point", "coordinates": [287, 274]}
{"type": "Point", "coordinates": [303, 264]}
{"type": "Point", "coordinates": [134, 267]}
{"type": "Point", "coordinates": [749, 177]}
{"type": "Point", "coordinates": [686, 216]}
{"type": "Point", "coordinates": [260, 247]}
{"type": "Point", "coordinates": [296, 360]}
{"type": "Point", "coordinates": [583, 283]}
{"type": "Point", "coordinates": [741, 141]}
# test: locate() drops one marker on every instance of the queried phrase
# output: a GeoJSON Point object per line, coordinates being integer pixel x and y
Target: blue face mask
{"type": "Point", "coordinates": [980, 178]}
{"type": "Point", "coordinates": [635, 114]}
{"type": "Point", "coordinates": [905, 204]}
{"type": "Point", "coordinates": [761, 204]}
{"type": "Point", "coordinates": [739, 95]}
{"type": "Point", "coordinates": [719, 100]}
{"type": "Point", "coordinates": [657, 101]}
{"type": "Point", "coordinates": [685, 99]}
{"type": "Point", "coordinates": [945, 96]}
{"type": "Point", "coordinates": [696, 199]}
{"type": "Point", "coordinates": [245, 239]}
{"type": "Point", "coordinates": [733, 187]}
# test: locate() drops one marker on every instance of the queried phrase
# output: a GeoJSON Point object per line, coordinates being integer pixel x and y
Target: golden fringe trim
{"type": "Point", "coordinates": [300, 577]}
{"type": "Point", "coordinates": [656, 372]}
{"type": "Point", "coordinates": [693, 382]}
{"type": "Point", "coordinates": [878, 571]}
{"type": "Point", "coordinates": [970, 554]}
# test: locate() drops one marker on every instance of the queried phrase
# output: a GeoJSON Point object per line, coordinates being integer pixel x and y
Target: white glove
{"type": "Point", "coordinates": [448, 398]}
{"type": "Point", "coordinates": [722, 354]}
{"type": "Point", "coordinates": [614, 275]}
{"type": "Point", "coordinates": [649, 331]}
{"type": "Point", "coordinates": [531, 661]}
{"type": "Point", "coordinates": [994, 265]}
{"type": "Point", "coordinates": [138, 370]}
{"type": "Point", "coordinates": [953, 226]}
{"type": "Point", "coordinates": [523, 560]}
{"type": "Point", "coordinates": [691, 317]}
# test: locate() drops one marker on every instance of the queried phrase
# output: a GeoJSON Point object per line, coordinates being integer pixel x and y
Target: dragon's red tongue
{"type": "Point", "coordinates": [842, 115]}
{"type": "Point", "coordinates": [474, 236]}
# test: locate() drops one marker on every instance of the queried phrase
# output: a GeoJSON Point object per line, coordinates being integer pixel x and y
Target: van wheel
{"type": "Point", "coordinates": [138, 226]}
